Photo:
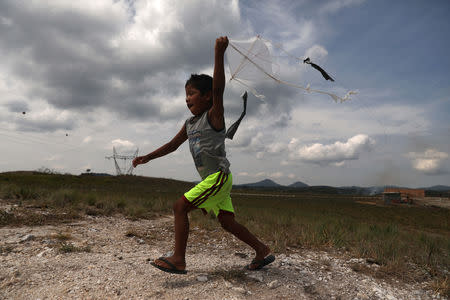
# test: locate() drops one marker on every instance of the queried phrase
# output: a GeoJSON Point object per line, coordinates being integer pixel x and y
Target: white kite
{"type": "Point", "coordinates": [251, 61]}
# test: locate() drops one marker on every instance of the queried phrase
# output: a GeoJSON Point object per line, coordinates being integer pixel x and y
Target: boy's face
{"type": "Point", "coordinates": [196, 102]}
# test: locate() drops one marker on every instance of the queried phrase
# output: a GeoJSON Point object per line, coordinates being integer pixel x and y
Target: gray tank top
{"type": "Point", "coordinates": [207, 146]}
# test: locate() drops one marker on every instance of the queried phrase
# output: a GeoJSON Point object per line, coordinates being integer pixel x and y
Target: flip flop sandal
{"type": "Point", "coordinates": [172, 268]}
{"type": "Point", "coordinates": [261, 263]}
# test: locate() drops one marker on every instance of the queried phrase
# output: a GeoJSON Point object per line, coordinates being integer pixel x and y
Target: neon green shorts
{"type": "Point", "coordinates": [213, 193]}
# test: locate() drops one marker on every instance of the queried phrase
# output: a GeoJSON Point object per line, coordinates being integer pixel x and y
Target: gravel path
{"type": "Point", "coordinates": [108, 258]}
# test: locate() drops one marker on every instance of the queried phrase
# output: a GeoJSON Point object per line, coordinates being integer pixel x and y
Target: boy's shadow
{"type": "Point", "coordinates": [234, 275]}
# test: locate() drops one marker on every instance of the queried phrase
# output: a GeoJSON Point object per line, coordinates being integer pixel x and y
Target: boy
{"type": "Point", "coordinates": [206, 134]}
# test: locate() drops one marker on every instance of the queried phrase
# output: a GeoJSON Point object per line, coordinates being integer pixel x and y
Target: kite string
{"type": "Point", "coordinates": [335, 97]}
{"type": "Point", "coordinates": [278, 45]}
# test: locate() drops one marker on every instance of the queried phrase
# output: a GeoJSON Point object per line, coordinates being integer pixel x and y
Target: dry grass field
{"type": "Point", "coordinates": [408, 243]}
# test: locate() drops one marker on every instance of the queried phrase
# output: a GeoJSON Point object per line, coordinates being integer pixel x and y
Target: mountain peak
{"type": "Point", "coordinates": [263, 183]}
{"type": "Point", "coordinates": [298, 184]}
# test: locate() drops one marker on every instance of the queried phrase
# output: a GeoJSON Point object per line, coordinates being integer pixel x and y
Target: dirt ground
{"type": "Point", "coordinates": [109, 258]}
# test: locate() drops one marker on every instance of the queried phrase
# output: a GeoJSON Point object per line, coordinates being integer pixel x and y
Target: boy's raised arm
{"type": "Point", "coordinates": [216, 112]}
{"type": "Point", "coordinates": [171, 146]}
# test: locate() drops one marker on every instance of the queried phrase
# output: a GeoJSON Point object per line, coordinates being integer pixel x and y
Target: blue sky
{"type": "Point", "coordinates": [93, 75]}
{"type": "Point", "coordinates": [399, 43]}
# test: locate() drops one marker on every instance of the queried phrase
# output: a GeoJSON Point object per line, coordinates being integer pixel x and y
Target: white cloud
{"type": "Point", "coordinates": [430, 162]}
{"type": "Point", "coordinates": [122, 145]}
{"type": "Point", "coordinates": [276, 148]}
{"type": "Point", "coordinates": [87, 140]}
{"type": "Point", "coordinates": [293, 144]}
{"type": "Point", "coordinates": [336, 153]}
{"type": "Point", "coordinates": [277, 175]}
{"type": "Point", "coordinates": [53, 157]}
{"type": "Point", "coordinates": [41, 117]}
{"type": "Point", "coordinates": [316, 53]}
{"type": "Point", "coordinates": [334, 6]}
{"type": "Point", "coordinates": [6, 21]}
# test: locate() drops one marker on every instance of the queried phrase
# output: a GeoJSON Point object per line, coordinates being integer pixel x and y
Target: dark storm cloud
{"type": "Point", "coordinates": [17, 106]}
{"type": "Point", "coordinates": [60, 54]}
{"type": "Point", "coordinates": [67, 57]}
{"type": "Point", "coordinates": [80, 61]}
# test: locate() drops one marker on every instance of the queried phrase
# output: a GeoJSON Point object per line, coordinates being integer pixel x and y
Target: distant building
{"type": "Point", "coordinates": [399, 195]}
{"type": "Point", "coordinates": [392, 197]}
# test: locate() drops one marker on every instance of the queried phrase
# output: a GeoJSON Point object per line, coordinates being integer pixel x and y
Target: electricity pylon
{"type": "Point", "coordinates": [125, 158]}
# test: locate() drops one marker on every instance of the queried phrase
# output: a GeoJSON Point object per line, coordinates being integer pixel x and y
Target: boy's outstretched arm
{"type": "Point", "coordinates": [171, 146]}
{"type": "Point", "coordinates": [216, 112]}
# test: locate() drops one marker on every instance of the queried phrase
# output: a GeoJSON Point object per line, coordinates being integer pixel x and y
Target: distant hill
{"type": "Point", "coordinates": [438, 188]}
{"type": "Point", "coordinates": [432, 191]}
{"type": "Point", "coordinates": [266, 183]}
{"type": "Point", "coordinates": [298, 184]}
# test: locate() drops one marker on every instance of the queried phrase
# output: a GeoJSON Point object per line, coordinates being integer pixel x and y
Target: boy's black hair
{"type": "Point", "coordinates": [201, 82]}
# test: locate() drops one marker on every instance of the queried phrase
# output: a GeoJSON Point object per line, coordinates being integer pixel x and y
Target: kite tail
{"type": "Point", "coordinates": [233, 128]}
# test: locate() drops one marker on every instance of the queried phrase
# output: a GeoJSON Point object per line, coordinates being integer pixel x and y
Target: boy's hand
{"type": "Point", "coordinates": [140, 160]}
{"type": "Point", "coordinates": [221, 44]}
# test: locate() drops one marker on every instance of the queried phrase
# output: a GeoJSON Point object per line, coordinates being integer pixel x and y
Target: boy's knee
{"type": "Point", "coordinates": [226, 221]}
{"type": "Point", "coordinates": [181, 206]}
